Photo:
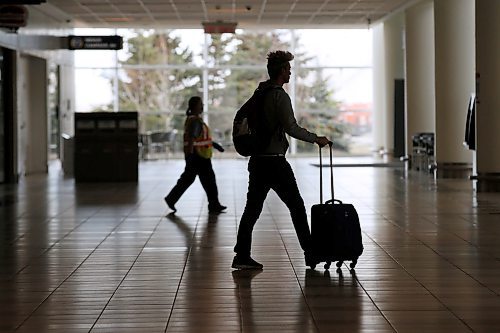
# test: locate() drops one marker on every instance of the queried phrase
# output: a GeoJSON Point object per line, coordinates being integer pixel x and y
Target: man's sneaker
{"type": "Point", "coordinates": [245, 263]}
{"type": "Point", "coordinates": [170, 204]}
{"type": "Point", "coordinates": [217, 209]}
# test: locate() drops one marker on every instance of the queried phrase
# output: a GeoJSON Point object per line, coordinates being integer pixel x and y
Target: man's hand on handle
{"type": "Point", "coordinates": [323, 141]}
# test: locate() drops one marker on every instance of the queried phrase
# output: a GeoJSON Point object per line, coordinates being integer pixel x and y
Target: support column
{"type": "Point", "coordinates": [388, 65]}
{"type": "Point", "coordinates": [32, 115]}
{"type": "Point", "coordinates": [394, 70]}
{"type": "Point", "coordinates": [420, 87]}
{"type": "Point", "coordinates": [488, 107]}
{"type": "Point", "coordinates": [379, 103]}
{"type": "Point", "coordinates": [455, 61]}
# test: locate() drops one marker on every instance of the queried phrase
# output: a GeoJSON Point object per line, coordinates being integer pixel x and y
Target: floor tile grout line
{"type": "Point", "coordinates": [489, 254]}
{"type": "Point", "coordinates": [70, 275]}
{"type": "Point", "coordinates": [377, 266]}
{"type": "Point", "coordinates": [54, 244]}
{"type": "Point", "coordinates": [183, 269]}
{"type": "Point", "coordinates": [60, 239]}
{"type": "Point", "coordinates": [444, 258]}
{"type": "Point", "coordinates": [240, 307]}
{"type": "Point", "coordinates": [368, 294]}
{"type": "Point", "coordinates": [126, 274]}
{"type": "Point", "coordinates": [302, 290]}
{"type": "Point", "coordinates": [371, 299]}
{"type": "Point", "coordinates": [21, 236]}
{"type": "Point", "coordinates": [237, 223]}
{"type": "Point", "coordinates": [294, 271]}
{"type": "Point", "coordinates": [423, 286]}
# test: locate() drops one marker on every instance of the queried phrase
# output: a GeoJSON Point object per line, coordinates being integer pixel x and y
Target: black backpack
{"type": "Point", "coordinates": [250, 133]}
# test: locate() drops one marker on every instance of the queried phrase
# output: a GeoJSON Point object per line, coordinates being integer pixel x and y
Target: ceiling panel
{"type": "Point", "coordinates": [249, 13]}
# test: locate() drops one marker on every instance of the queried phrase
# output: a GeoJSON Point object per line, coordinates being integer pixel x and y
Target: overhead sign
{"type": "Point", "coordinates": [95, 42]}
{"type": "Point", "coordinates": [219, 27]}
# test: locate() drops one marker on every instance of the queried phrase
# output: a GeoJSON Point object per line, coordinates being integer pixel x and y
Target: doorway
{"type": "Point", "coordinates": [7, 132]}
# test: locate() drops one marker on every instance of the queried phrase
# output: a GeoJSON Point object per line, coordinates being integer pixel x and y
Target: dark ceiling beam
{"type": "Point", "coordinates": [22, 2]}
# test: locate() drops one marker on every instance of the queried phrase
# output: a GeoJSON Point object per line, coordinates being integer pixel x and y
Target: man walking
{"type": "Point", "coordinates": [269, 169]}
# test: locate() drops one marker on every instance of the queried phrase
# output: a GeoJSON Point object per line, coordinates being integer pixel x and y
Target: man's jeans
{"type": "Point", "coordinates": [265, 173]}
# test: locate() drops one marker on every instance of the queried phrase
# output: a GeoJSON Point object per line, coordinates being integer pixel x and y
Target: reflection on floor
{"type": "Point", "coordinates": [109, 257]}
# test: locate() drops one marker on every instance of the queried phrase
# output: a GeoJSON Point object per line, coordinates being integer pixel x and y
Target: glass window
{"type": "Point", "coordinates": [245, 47]}
{"type": "Point", "coordinates": [157, 71]}
{"type": "Point", "coordinates": [227, 91]}
{"type": "Point", "coordinates": [158, 94]}
{"type": "Point", "coordinates": [335, 103]}
{"type": "Point", "coordinates": [335, 47]}
{"type": "Point", "coordinates": [94, 89]}
{"type": "Point", "coordinates": [152, 47]}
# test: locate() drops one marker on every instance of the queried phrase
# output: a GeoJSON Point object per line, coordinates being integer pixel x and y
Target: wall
{"type": "Point", "coordinates": [35, 46]}
{"type": "Point", "coordinates": [32, 115]}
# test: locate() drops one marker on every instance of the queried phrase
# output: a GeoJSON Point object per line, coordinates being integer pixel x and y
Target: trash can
{"type": "Point", "coordinates": [106, 146]}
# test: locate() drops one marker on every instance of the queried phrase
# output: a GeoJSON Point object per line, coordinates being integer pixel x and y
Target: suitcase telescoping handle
{"type": "Point", "coordinates": [332, 200]}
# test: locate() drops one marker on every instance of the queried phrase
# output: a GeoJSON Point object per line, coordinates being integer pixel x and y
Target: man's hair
{"type": "Point", "coordinates": [276, 61]}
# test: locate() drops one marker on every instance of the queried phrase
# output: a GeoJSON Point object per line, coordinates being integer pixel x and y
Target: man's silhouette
{"type": "Point", "coordinates": [268, 169]}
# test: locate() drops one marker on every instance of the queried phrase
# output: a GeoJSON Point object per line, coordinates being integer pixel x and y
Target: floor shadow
{"type": "Point", "coordinates": [243, 293]}
{"type": "Point", "coordinates": [334, 299]}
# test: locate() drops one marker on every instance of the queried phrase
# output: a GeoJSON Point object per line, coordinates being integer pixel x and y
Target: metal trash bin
{"type": "Point", "coordinates": [106, 146]}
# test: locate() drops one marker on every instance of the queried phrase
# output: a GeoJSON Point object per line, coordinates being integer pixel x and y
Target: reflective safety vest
{"type": "Point", "coordinates": [203, 142]}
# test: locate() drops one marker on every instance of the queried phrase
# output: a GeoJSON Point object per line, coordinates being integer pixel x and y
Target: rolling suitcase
{"type": "Point", "coordinates": [335, 230]}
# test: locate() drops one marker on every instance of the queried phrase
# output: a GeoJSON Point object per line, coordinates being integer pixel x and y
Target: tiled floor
{"type": "Point", "coordinates": [108, 258]}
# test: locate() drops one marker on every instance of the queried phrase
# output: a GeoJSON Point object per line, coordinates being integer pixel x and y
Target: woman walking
{"type": "Point", "coordinates": [198, 153]}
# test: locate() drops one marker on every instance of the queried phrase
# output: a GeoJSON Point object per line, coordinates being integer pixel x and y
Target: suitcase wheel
{"type": "Point", "coordinates": [339, 264]}
{"type": "Point", "coordinates": [353, 263]}
{"type": "Point", "coordinates": [327, 265]}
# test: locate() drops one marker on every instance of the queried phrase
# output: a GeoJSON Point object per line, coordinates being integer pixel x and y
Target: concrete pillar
{"type": "Point", "coordinates": [420, 87]}
{"type": "Point", "coordinates": [488, 107]}
{"type": "Point", "coordinates": [388, 65]}
{"type": "Point", "coordinates": [455, 61]}
{"type": "Point", "coordinates": [32, 115]}
{"type": "Point", "coordinates": [379, 103]}
{"type": "Point", "coordinates": [394, 69]}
